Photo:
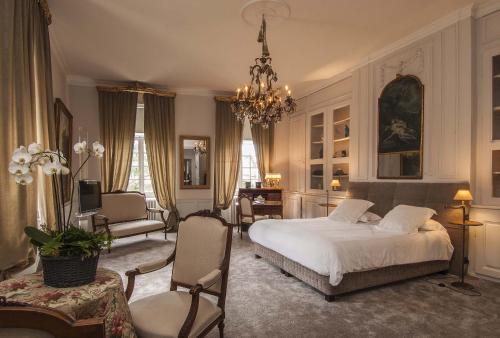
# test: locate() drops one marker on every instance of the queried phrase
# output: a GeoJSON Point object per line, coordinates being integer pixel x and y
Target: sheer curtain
{"type": "Point", "coordinates": [263, 139]}
{"type": "Point", "coordinates": [228, 137]}
{"type": "Point", "coordinates": [27, 115]}
{"type": "Point", "coordinates": [159, 135]}
{"type": "Point", "coordinates": [117, 110]}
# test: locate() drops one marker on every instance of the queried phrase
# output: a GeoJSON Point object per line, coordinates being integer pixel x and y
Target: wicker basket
{"type": "Point", "coordinates": [63, 272]}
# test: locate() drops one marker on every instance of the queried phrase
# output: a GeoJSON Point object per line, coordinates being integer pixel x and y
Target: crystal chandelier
{"type": "Point", "coordinates": [260, 102]}
{"type": "Point", "coordinates": [200, 147]}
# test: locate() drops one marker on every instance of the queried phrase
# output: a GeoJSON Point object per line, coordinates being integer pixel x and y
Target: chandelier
{"type": "Point", "coordinates": [260, 102]}
{"type": "Point", "coordinates": [200, 147]}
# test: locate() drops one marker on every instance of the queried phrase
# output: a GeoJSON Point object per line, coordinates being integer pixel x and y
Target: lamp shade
{"type": "Point", "coordinates": [273, 176]}
{"type": "Point", "coordinates": [335, 183]}
{"type": "Point", "coordinates": [463, 195]}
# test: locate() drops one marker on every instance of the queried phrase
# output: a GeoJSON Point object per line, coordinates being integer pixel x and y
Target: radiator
{"type": "Point", "coordinates": [152, 204]}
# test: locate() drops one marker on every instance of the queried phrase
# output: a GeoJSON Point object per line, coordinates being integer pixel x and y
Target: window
{"type": "Point", "coordinates": [249, 171]}
{"type": "Point", "coordinates": [139, 179]}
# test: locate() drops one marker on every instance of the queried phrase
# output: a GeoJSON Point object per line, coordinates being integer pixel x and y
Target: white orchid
{"type": "Point", "coordinates": [21, 155]}
{"type": "Point", "coordinates": [18, 169]}
{"type": "Point", "coordinates": [52, 168]}
{"type": "Point", "coordinates": [35, 148]}
{"type": "Point", "coordinates": [24, 179]}
{"type": "Point", "coordinates": [80, 147]}
{"type": "Point", "coordinates": [97, 149]}
{"type": "Point", "coordinates": [65, 170]}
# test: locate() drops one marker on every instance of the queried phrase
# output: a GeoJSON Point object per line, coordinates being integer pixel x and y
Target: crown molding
{"type": "Point", "coordinates": [200, 92]}
{"type": "Point", "coordinates": [486, 8]}
{"type": "Point", "coordinates": [433, 27]}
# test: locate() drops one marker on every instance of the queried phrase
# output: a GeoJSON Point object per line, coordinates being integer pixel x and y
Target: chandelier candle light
{"type": "Point", "coordinates": [260, 102]}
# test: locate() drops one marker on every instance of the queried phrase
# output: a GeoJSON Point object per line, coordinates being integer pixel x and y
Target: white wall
{"type": "Point", "coordinates": [194, 116]}
{"type": "Point", "coordinates": [85, 110]}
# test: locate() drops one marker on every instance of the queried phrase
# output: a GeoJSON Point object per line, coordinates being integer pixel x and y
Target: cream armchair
{"type": "Point", "coordinates": [200, 264]}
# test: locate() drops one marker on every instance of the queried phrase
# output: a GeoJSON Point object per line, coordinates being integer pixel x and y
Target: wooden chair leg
{"type": "Point", "coordinates": [146, 235]}
{"type": "Point", "coordinates": [221, 329]}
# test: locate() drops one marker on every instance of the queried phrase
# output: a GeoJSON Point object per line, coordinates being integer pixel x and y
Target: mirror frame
{"type": "Point", "coordinates": [181, 161]}
{"type": "Point", "coordinates": [420, 85]}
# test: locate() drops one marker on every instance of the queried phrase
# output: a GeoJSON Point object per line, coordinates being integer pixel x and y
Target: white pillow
{"type": "Point", "coordinates": [350, 210]}
{"type": "Point", "coordinates": [368, 217]}
{"type": "Point", "coordinates": [405, 219]}
{"type": "Point", "coordinates": [432, 225]}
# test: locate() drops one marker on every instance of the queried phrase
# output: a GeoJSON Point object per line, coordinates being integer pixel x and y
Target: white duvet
{"type": "Point", "coordinates": [334, 248]}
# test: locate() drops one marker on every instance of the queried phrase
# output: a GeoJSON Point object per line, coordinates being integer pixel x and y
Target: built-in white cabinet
{"type": "Point", "coordinates": [327, 157]}
{"type": "Point", "coordinates": [297, 153]}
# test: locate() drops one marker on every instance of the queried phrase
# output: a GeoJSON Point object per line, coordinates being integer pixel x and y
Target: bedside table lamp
{"type": "Point", "coordinates": [273, 180]}
{"type": "Point", "coordinates": [335, 184]}
{"type": "Point", "coordinates": [464, 196]}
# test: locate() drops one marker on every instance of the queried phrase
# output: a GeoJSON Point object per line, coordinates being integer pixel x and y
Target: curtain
{"type": "Point", "coordinates": [159, 135]}
{"type": "Point", "coordinates": [228, 135]}
{"type": "Point", "coordinates": [26, 113]}
{"type": "Point", "coordinates": [117, 112]}
{"type": "Point", "coordinates": [263, 140]}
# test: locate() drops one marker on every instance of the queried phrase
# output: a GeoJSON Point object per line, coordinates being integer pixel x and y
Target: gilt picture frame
{"type": "Point", "coordinates": [64, 140]}
{"type": "Point", "coordinates": [400, 129]}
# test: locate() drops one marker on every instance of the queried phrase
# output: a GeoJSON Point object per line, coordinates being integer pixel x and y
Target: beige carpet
{"type": "Point", "coordinates": [261, 302]}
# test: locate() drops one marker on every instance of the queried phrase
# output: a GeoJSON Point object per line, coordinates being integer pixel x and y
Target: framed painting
{"type": "Point", "coordinates": [400, 129]}
{"type": "Point", "coordinates": [64, 139]}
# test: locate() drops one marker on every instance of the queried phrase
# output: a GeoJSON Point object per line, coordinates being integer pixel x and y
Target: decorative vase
{"type": "Point", "coordinates": [63, 272]}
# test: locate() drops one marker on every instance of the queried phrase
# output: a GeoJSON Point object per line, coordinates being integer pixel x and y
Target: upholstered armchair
{"type": "Point", "coordinates": [246, 215]}
{"type": "Point", "coordinates": [200, 264]}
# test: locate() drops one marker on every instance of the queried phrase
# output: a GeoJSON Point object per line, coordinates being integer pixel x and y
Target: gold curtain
{"type": "Point", "coordinates": [26, 113]}
{"type": "Point", "coordinates": [228, 135]}
{"type": "Point", "coordinates": [117, 112]}
{"type": "Point", "coordinates": [263, 140]}
{"type": "Point", "coordinates": [159, 135]}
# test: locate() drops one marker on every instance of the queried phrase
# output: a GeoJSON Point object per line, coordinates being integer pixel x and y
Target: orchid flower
{"type": "Point", "coordinates": [24, 179]}
{"type": "Point", "coordinates": [80, 147]}
{"type": "Point", "coordinates": [21, 155]}
{"type": "Point", "coordinates": [35, 148]}
{"type": "Point", "coordinates": [18, 169]}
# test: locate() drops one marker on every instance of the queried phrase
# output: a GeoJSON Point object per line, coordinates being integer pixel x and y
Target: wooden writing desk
{"type": "Point", "coordinates": [273, 204]}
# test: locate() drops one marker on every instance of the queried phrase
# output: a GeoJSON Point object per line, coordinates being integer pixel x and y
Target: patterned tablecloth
{"type": "Point", "coordinates": [102, 298]}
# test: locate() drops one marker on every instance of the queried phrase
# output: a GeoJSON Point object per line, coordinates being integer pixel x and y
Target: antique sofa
{"type": "Point", "coordinates": [125, 213]}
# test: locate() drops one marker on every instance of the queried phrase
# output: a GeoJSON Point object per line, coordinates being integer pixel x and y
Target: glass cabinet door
{"type": "Point", "coordinates": [316, 181]}
{"type": "Point", "coordinates": [341, 129]}
{"type": "Point", "coordinates": [496, 98]}
{"type": "Point", "coordinates": [317, 136]}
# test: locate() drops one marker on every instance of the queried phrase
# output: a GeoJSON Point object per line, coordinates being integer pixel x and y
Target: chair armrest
{"type": "Point", "coordinates": [145, 268]}
{"type": "Point", "coordinates": [203, 283]}
{"type": "Point", "coordinates": [209, 279]}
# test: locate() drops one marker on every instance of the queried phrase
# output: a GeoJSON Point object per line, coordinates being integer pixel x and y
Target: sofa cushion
{"type": "Point", "coordinates": [120, 207]}
{"type": "Point", "coordinates": [135, 227]}
{"type": "Point", "coordinates": [162, 315]}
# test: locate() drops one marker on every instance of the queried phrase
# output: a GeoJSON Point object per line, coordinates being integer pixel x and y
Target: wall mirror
{"type": "Point", "coordinates": [195, 162]}
{"type": "Point", "coordinates": [400, 129]}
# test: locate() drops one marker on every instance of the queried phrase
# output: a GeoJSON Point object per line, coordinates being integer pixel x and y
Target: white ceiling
{"type": "Point", "coordinates": [207, 45]}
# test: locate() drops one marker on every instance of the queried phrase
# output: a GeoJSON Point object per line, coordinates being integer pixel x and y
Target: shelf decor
{"type": "Point", "coordinates": [400, 129]}
{"type": "Point", "coordinates": [260, 102]}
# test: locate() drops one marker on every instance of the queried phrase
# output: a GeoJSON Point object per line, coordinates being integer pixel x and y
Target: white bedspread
{"type": "Point", "coordinates": [334, 248]}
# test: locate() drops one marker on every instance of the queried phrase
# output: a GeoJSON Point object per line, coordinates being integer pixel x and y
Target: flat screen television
{"type": "Point", "coordinates": [90, 196]}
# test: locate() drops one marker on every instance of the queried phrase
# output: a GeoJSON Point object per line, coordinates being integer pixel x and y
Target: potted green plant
{"type": "Point", "coordinates": [69, 254]}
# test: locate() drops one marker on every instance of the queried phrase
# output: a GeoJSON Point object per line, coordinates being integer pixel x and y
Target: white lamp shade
{"type": "Point", "coordinates": [273, 176]}
{"type": "Point", "coordinates": [335, 183]}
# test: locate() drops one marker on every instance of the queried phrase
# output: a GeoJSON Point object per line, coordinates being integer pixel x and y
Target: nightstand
{"type": "Point", "coordinates": [461, 284]}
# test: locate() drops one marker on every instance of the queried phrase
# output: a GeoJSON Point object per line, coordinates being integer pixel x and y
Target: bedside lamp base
{"type": "Point", "coordinates": [462, 285]}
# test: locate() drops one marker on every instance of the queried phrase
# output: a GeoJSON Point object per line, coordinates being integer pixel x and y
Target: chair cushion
{"type": "Point", "coordinates": [162, 315]}
{"type": "Point", "coordinates": [122, 207]}
{"type": "Point", "coordinates": [135, 227]}
{"type": "Point", "coordinates": [257, 218]}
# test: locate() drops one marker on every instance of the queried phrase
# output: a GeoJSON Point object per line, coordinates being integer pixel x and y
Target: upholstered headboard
{"type": "Point", "coordinates": [387, 195]}
{"type": "Point", "coordinates": [437, 196]}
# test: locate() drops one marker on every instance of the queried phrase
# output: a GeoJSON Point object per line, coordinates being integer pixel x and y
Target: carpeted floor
{"type": "Point", "coordinates": [261, 302]}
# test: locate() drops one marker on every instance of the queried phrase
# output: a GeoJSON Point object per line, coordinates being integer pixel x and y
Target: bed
{"type": "Point", "coordinates": [323, 254]}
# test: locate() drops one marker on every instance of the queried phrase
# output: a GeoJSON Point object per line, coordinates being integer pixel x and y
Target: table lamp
{"type": "Point", "coordinates": [272, 180]}
{"type": "Point", "coordinates": [464, 196]}
{"type": "Point", "coordinates": [335, 184]}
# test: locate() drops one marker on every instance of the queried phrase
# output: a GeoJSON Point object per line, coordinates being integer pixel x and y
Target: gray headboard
{"type": "Point", "coordinates": [387, 195]}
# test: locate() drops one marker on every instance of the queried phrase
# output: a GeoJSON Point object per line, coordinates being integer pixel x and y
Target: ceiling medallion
{"type": "Point", "coordinates": [260, 102]}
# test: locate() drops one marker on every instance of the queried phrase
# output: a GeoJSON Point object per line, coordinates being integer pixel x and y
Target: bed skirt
{"type": "Point", "coordinates": [352, 281]}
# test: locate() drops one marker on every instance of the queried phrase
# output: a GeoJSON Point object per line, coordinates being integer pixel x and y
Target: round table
{"type": "Point", "coordinates": [102, 298]}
